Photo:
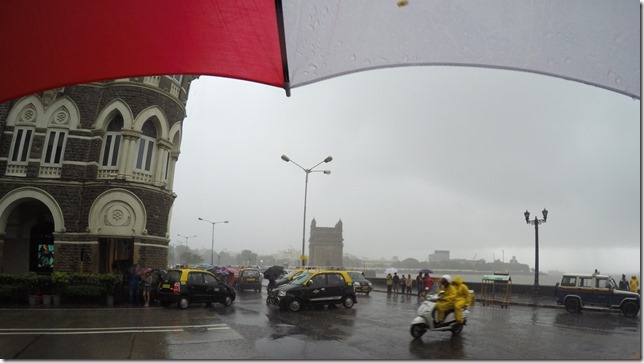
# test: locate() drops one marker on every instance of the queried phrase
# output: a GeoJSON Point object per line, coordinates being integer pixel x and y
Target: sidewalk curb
{"type": "Point", "coordinates": [538, 304]}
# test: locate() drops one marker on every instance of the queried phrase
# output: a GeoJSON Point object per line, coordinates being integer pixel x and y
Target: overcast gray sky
{"type": "Point", "coordinates": [424, 158]}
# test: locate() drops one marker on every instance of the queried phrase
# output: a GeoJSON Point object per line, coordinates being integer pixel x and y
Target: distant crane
{"type": "Point", "coordinates": [474, 258]}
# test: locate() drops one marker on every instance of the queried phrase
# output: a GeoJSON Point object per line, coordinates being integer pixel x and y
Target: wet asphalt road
{"type": "Point", "coordinates": [375, 328]}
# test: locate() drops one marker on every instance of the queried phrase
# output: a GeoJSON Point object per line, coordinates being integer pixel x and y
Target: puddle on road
{"type": "Point", "coordinates": [296, 347]}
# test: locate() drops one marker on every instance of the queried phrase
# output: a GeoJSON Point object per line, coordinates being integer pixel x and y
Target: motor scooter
{"type": "Point", "coordinates": [426, 319]}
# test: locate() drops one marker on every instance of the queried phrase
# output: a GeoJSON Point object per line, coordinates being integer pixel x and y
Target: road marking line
{"type": "Point", "coordinates": [108, 330]}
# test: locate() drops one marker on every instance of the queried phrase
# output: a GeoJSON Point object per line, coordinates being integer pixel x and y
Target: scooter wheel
{"type": "Point", "coordinates": [456, 330]}
{"type": "Point", "coordinates": [417, 330]}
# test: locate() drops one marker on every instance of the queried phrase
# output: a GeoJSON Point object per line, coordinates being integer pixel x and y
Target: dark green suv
{"type": "Point", "coordinates": [186, 286]}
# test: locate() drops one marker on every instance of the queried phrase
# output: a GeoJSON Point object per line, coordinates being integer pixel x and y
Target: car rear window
{"type": "Point", "coordinates": [173, 276]}
{"type": "Point", "coordinates": [250, 273]}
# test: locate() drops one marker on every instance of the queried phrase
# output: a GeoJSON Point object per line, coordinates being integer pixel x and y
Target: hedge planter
{"type": "Point", "coordinates": [33, 300]}
{"type": "Point", "coordinates": [46, 299]}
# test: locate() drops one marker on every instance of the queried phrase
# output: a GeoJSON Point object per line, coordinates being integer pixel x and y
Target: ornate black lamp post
{"type": "Point", "coordinates": [536, 222]}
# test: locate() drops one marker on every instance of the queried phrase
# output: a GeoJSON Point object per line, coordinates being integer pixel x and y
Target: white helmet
{"type": "Point", "coordinates": [448, 278]}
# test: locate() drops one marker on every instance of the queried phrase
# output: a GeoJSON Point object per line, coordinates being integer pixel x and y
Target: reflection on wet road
{"type": "Point", "coordinates": [375, 328]}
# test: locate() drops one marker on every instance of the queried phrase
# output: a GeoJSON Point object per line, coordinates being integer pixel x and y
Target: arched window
{"type": "Point", "coordinates": [21, 145]}
{"type": "Point", "coordinates": [112, 145]}
{"type": "Point", "coordinates": [145, 149]}
{"type": "Point", "coordinates": [52, 159]}
{"type": "Point", "coordinates": [23, 136]}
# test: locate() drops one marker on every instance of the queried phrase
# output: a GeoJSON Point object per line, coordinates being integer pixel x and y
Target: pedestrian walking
{"type": "Point", "coordinates": [410, 282]}
{"type": "Point", "coordinates": [396, 281]}
{"type": "Point", "coordinates": [420, 283]}
{"type": "Point", "coordinates": [403, 284]}
{"type": "Point", "coordinates": [390, 283]}
{"type": "Point", "coordinates": [133, 280]}
{"type": "Point", "coordinates": [429, 284]}
{"type": "Point", "coordinates": [634, 284]}
{"type": "Point", "coordinates": [147, 288]}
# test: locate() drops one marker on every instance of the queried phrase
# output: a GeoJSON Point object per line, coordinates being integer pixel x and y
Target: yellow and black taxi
{"type": "Point", "coordinates": [250, 279]}
{"type": "Point", "coordinates": [298, 270]}
{"type": "Point", "coordinates": [315, 287]}
{"type": "Point", "coordinates": [186, 286]}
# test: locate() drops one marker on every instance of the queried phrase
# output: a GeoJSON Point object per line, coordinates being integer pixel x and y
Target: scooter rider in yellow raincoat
{"type": "Point", "coordinates": [463, 298]}
{"type": "Point", "coordinates": [447, 298]}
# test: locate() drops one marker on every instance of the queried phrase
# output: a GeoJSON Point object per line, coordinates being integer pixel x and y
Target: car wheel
{"type": "Point", "coordinates": [295, 305]}
{"type": "Point", "coordinates": [417, 330]}
{"type": "Point", "coordinates": [183, 302]}
{"type": "Point", "coordinates": [228, 301]}
{"type": "Point", "coordinates": [630, 309]}
{"type": "Point", "coordinates": [347, 302]}
{"type": "Point", "coordinates": [572, 305]}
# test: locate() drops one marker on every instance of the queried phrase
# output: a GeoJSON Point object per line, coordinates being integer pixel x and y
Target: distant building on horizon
{"type": "Point", "coordinates": [326, 245]}
{"type": "Point", "coordinates": [439, 255]}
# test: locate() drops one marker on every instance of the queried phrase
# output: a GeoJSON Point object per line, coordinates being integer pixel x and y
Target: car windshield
{"type": "Point", "coordinates": [356, 276]}
{"type": "Point", "coordinates": [301, 278]}
{"type": "Point", "coordinates": [293, 274]}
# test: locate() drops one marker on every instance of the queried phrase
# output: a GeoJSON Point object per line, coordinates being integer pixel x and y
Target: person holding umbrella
{"type": "Point", "coordinates": [390, 283]}
{"type": "Point", "coordinates": [272, 273]}
{"type": "Point", "coordinates": [420, 283]}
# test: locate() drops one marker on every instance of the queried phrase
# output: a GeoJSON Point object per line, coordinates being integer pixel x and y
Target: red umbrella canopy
{"type": "Point", "coordinates": [80, 41]}
{"type": "Point", "coordinates": [289, 43]}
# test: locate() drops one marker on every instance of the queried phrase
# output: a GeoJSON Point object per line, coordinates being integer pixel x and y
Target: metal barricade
{"type": "Point", "coordinates": [496, 289]}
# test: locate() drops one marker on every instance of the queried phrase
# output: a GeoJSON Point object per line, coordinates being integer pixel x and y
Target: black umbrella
{"type": "Point", "coordinates": [272, 273]}
{"type": "Point", "coordinates": [426, 271]}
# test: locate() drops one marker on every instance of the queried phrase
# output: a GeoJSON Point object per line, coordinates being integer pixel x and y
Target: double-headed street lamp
{"type": "Point", "coordinates": [536, 222]}
{"type": "Point", "coordinates": [306, 183]}
{"type": "Point", "coordinates": [186, 237]}
{"type": "Point", "coordinates": [212, 243]}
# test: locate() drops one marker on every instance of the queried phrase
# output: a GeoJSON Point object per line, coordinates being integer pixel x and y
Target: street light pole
{"type": "Point", "coordinates": [306, 185]}
{"type": "Point", "coordinates": [186, 237]}
{"type": "Point", "coordinates": [212, 242]}
{"type": "Point", "coordinates": [219, 256]}
{"type": "Point", "coordinates": [536, 222]}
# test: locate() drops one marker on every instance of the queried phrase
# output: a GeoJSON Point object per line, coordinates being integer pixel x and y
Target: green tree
{"type": "Point", "coordinates": [190, 258]}
{"type": "Point", "coordinates": [247, 257]}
